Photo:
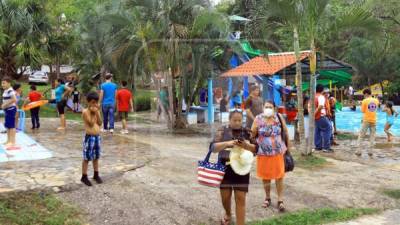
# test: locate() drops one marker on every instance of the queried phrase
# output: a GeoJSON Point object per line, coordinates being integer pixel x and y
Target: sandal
{"type": "Point", "coordinates": [267, 203]}
{"type": "Point", "coordinates": [226, 221]}
{"type": "Point", "coordinates": [281, 206]}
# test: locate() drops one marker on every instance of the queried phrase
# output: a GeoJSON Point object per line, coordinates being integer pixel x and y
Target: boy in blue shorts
{"type": "Point", "coordinates": [10, 110]}
{"type": "Point", "coordinates": [92, 141]}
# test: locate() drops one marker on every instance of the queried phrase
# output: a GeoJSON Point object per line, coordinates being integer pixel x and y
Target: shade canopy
{"type": "Point", "coordinates": [265, 65]}
{"type": "Point", "coordinates": [325, 83]}
{"type": "Point", "coordinates": [340, 77]}
{"type": "Point", "coordinates": [285, 64]}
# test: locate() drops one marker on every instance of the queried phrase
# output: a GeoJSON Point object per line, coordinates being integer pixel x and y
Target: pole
{"type": "Point", "coordinates": [210, 110]}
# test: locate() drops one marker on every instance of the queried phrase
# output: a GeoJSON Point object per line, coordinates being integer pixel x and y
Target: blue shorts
{"type": "Point", "coordinates": [9, 115]}
{"type": "Point", "coordinates": [91, 147]}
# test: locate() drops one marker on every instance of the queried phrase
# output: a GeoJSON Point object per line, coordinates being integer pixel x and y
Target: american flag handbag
{"type": "Point", "coordinates": [210, 174]}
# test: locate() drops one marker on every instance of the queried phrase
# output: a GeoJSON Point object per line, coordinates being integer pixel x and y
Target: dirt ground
{"type": "Point", "coordinates": [165, 190]}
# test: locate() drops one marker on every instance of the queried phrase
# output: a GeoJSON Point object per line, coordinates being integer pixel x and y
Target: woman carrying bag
{"type": "Point", "coordinates": [237, 137]}
{"type": "Point", "coordinates": [271, 135]}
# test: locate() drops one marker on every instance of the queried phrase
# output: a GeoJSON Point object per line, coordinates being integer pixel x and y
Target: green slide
{"type": "Point", "coordinates": [250, 51]}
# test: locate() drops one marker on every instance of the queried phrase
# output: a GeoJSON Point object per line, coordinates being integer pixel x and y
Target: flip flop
{"type": "Point", "coordinates": [267, 203]}
{"type": "Point", "coordinates": [12, 148]}
{"type": "Point", "coordinates": [281, 206]}
{"type": "Point", "coordinates": [225, 221]}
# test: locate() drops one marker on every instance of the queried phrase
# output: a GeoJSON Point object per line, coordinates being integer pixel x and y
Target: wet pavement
{"type": "Point", "coordinates": [150, 177]}
{"type": "Point", "coordinates": [64, 168]}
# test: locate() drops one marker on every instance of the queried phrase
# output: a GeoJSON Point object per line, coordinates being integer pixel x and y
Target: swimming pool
{"type": "Point", "coordinates": [347, 120]}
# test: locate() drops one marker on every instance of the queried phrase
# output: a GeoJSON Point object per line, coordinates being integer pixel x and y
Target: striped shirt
{"type": "Point", "coordinates": [8, 96]}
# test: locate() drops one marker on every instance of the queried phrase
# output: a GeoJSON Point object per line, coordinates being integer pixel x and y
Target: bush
{"type": "Point", "coordinates": [142, 103]}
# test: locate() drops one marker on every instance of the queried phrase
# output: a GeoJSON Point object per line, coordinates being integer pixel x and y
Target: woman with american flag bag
{"type": "Point", "coordinates": [228, 137]}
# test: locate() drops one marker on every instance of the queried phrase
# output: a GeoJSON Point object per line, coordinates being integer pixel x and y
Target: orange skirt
{"type": "Point", "coordinates": [270, 167]}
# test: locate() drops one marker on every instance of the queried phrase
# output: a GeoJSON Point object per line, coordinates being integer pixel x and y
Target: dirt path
{"type": "Point", "coordinates": [165, 190]}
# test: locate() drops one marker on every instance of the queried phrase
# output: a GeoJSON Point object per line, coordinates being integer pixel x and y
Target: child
{"type": "Point", "coordinates": [91, 144]}
{"type": "Point", "coordinates": [76, 99]}
{"type": "Point", "coordinates": [18, 94]}
{"type": "Point", "coordinates": [10, 110]}
{"type": "Point", "coordinates": [124, 105]}
{"type": "Point", "coordinates": [390, 114]}
{"type": "Point", "coordinates": [34, 96]}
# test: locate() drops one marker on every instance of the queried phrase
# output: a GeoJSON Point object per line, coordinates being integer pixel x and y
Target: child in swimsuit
{"type": "Point", "coordinates": [92, 140]}
{"type": "Point", "coordinates": [390, 117]}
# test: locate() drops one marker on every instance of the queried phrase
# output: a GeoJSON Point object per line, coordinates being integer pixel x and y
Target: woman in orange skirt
{"type": "Point", "coordinates": [267, 129]}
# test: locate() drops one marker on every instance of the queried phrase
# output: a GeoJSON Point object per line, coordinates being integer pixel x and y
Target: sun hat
{"type": "Point", "coordinates": [241, 160]}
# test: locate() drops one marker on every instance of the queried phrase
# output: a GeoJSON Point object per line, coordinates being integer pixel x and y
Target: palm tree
{"type": "Point", "coordinates": [289, 13]}
{"type": "Point", "coordinates": [317, 26]}
{"type": "Point", "coordinates": [23, 24]}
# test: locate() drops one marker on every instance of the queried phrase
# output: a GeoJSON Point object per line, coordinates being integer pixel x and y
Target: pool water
{"type": "Point", "coordinates": [347, 120]}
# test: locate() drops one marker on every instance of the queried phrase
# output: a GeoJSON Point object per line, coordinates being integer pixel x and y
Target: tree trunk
{"type": "Point", "coordinates": [58, 67]}
{"type": "Point", "coordinates": [299, 82]}
{"type": "Point", "coordinates": [313, 69]}
{"type": "Point", "coordinates": [171, 99]}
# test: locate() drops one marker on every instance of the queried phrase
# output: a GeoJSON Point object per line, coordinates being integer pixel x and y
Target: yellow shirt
{"type": "Point", "coordinates": [369, 106]}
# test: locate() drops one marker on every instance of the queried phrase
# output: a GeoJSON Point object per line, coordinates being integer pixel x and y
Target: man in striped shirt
{"type": "Point", "coordinates": [10, 110]}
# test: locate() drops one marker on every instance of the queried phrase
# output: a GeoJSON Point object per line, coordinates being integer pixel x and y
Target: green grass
{"type": "Point", "coordinates": [393, 193]}
{"type": "Point", "coordinates": [34, 208]}
{"type": "Point", "coordinates": [309, 162]}
{"type": "Point", "coordinates": [319, 216]}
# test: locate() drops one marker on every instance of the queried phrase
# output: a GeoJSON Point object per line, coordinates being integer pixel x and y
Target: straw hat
{"type": "Point", "coordinates": [241, 160]}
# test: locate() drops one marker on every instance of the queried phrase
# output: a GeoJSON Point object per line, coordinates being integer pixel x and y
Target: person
{"type": "Point", "coordinates": [76, 99]}
{"type": "Point", "coordinates": [61, 92]}
{"type": "Point", "coordinates": [10, 110]}
{"type": "Point", "coordinates": [107, 99]}
{"type": "Point", "coordinates": [323, 126]}
{"type": "Point", "coordinates": [92, 140]}
{"type": "Point", "coordinates": [390, 116]}
{"type": "Point", "coordinates": [254, 106]}
{"type": "Point", "coordinates": [331, 101]}
{"type": "Point", "coordinates": [163, 104]}
{"type": "Point", "coordinates": [34, 96]}
{"type": "Point", "coordinates": [18, 94]}
{"type": "Point", "coordinates": [237, 99]}
{"type": "Point", "coordinates": [351, 93]}
{"type": "Point", "coordinates": [228, 137]}
{"type": "Point", "coordinates": [268, 129]}
{"type": "Point", "coordinates": [369, 107]}
{"type": "Point", "coordinates": [124, 105]}
{"type": "Point", "coordinates": [223, 104]}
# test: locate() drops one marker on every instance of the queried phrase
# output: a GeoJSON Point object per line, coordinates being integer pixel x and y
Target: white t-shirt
{"type": "Point", "coordinates": [8, 95]}
{"type": "Point", "coordinates": [321, 102]}
{"type": "Point", "coordinates": [351, 90]}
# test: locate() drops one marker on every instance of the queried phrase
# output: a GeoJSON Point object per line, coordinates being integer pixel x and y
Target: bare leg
{"type": "Point", "coordinates": [123, 124]}
{"type": "Point", "coordinates": [267, 188]}
{"type": "Point", "coordinates": [387, 127]}
{"type": "Point", "coordinates": [240, 199]}
{"type": "Point", "coordinates": [279, 188]}
{"type": "Point", "coordinates": [85, 164]}
{"type": "Point", "coordinates": [96, 165]}
{"type": "Point", "coordinates": [12, 136]}
{"type": "Point", "coordinates": [226, 195]}
{"type": "Point", "coordinates": [62, 122]}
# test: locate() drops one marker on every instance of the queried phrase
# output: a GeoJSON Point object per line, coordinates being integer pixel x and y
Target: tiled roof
{"type": "Point", "coordinates": [266, 66]}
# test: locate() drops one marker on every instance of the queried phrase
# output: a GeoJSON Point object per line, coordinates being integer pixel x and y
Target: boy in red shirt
{"type": "Point", "coordinates": [124, 100]}
{"type": "Point", "coordinates": [34, 96]}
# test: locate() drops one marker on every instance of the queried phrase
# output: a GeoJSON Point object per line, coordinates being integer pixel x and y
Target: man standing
{"type": "Point", "coordinates": [124, 105]}
{"type": "Point", "coordinates": [254, 106]}
{"type": "Point", "coordinates": [369, 107]}
{"type": "Point", "coordinates": [107, 99]}
{"type": "Point", "coordinates": [323, 127]}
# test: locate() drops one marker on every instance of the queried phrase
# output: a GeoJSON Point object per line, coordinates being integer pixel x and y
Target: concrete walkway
{"type": "Point", "coordinates": [389, 217]}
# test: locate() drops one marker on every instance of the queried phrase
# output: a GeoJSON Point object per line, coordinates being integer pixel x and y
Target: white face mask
{"type": "Point", "coordinates": [268, 112]}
